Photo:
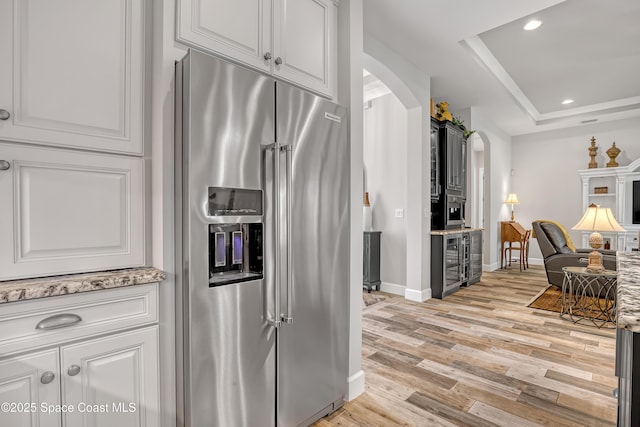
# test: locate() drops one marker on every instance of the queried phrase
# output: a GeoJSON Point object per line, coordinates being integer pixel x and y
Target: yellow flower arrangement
{"type": "Point", "coordinates": [443, 112]}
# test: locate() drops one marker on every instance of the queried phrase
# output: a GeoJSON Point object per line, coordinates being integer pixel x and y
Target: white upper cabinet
{"type": "Point", "coordinates": [68, 211]}
{"type": "Point", "coordinates": [238, 29]}
{"type": "Point", "coordinates": [72, 73]}
{"type": "Point", "coordinates": [304, 36]}
{"type": "Point", "coordinates": [295, 40]}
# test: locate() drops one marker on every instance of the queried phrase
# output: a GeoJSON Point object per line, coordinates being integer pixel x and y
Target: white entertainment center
{"type": "Point", "coordinates": [617, 196]}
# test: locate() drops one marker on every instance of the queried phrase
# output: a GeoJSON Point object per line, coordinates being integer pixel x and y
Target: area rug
{"type": "Point", "coordinates": [374, 297]}
{"type": "Point", "coordinates": [550, 299]}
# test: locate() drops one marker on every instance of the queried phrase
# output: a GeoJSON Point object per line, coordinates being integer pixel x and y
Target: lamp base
{"type": "Point", "coordinates": [595, 262]}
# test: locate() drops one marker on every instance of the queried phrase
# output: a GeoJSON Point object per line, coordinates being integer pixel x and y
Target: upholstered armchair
{"type": "Point", "coordinates": [558, 251]}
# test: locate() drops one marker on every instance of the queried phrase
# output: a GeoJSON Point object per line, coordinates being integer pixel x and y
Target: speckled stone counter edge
{"type": "Point", "coordinates": [27, 289]}
{"type": "Point", "coordinates": [628, 303]}
{"type": "Point", "coordinates": [457, 230]}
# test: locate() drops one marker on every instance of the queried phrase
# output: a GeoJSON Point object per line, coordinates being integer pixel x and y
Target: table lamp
{"type": "Point", "coordinates": [513, 199]}
{"type": "Point", "coordinates": [597, 219]}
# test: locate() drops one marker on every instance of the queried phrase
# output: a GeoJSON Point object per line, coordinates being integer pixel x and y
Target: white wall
{"type": "Point", "coordinates": [497, 161]}
{"type": "Point", "coordinates": [165, 53]}
{"type": "Point", "coordinates": [350, 95]}
{"type": "Point", "coordinates": [546, 168]}
{"type": "Point", "coordinates": [385, 158]}
{"type": "Point", "coordinates": [413, 89]}
{"type": "Point", "coordinates": [477, 185]}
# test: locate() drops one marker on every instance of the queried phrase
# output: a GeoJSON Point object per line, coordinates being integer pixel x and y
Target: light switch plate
{"type": "Point", "coordinates": [399, 213]}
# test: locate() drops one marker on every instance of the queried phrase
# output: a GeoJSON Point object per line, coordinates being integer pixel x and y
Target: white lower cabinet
{"type": "Point", "coordinates": [112, 381]}
{"type": "Point", "coordinates": [67, 211]}
{"type": "Point", "coordinates": [106, 381]}
{"type": "Point", "coordinates": [22, 389]}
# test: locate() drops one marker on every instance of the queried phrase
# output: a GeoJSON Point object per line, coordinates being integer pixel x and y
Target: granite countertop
{"type": "Point", "coordinates": [454, 231]}
{"type": "Point", "coordinates": [26, 289]}
{"type": "Point", "coordinates": [628, 303]}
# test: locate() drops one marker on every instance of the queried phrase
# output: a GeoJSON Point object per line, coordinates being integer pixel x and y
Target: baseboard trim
{"type": "Point", "coordinates": [355, 384]}
{"type": "Point", "coordinates": [417, 296]}
{"type": "Point", "coordinates": [536, 261]}
{"type": "Point", "coordinates": [392, 288]}
{"type": "Point", "coordinates": [490, 267]}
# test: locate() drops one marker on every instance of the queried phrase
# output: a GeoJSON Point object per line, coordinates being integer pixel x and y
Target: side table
{"type": "Point", "coordinates": [371, 260]}
{"type": "Point", "coordinates": [588, 296]}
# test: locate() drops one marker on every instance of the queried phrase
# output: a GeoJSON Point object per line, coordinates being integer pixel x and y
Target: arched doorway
{"type": "Point", "coordinates": [417, 287]}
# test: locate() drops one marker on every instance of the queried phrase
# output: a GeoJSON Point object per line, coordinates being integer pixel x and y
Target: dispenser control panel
{"type": "Point", "coordinates": [234, 201]}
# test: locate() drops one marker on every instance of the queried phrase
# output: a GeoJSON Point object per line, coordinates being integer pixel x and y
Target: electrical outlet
{"type": "Point", "coordinates": [399, 213]}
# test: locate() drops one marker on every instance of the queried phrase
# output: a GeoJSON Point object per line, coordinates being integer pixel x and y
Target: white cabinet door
{"type": "Point", "coordinates": [72, 73]}
{"type": "Point", "coordinates": [304, 42]}
{"type": "Point", "coordinates": [238, 29]}
{"type": "Point", "coordinates": [299, 36]}
{"type": "Point", "coordinates": [26, 383]}
{"type": "Point", "coordinates": [115, 379]}
{"type": "Point", "coordinates": [66, 211]}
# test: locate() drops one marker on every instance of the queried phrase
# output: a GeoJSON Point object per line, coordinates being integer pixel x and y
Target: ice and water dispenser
{"type": "Point", "coordinates": [235, 249]}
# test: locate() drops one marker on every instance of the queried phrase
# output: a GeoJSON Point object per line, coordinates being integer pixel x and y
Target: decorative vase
{"type": "Point", "coordinates": [613, 153]}
{"type": "Point", "coordinates": [593, 152]}
{"type": "Point", "coordinates": [367, 214]}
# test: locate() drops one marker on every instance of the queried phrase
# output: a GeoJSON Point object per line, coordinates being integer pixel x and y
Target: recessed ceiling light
{"type": "Point", "coordinates": [532, 25]}
{"type": "Point", "coordinates": [567, 101]}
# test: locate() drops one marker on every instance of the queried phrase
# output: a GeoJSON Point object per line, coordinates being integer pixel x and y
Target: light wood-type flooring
{"type": "Point", "coordinates": [481, 357]}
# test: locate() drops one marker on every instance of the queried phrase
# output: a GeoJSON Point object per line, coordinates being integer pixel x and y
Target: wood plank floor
{"type": "Point", "coordinates": [481, 357]}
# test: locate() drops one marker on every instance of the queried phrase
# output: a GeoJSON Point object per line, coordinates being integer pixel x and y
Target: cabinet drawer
{"type": "Point", "coordinates": [100, 312]}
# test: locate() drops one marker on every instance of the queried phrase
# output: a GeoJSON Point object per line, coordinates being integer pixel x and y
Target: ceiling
{"type": "Point", "coordinates": [478, 55]}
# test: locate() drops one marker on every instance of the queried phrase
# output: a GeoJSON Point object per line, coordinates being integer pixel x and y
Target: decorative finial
{"type": "Point", "coordinates": [593, 152]}
{"type": "Point", "coordinates": [613, 153]}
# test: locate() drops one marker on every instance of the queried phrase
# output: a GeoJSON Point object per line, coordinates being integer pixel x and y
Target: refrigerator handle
{"type": "Point", "coordinates": [275, 148]}
{"type": "Point", "coordinates": [287, 317]}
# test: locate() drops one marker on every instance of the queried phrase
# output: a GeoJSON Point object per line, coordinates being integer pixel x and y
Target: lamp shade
{"type": "Point", "coordinates": [598, 219]}
{"type": "Point", "coordinates": [512, 199]}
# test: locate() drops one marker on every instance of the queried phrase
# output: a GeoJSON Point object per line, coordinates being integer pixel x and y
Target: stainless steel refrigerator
{"type": "Point", "coordinates": [262, 247]}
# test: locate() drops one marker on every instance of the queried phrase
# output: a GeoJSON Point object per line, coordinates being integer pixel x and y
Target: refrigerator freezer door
{"type": "Point", "coordinates": [229, 347]}
{"type": "Point", "coordinates": [312, 350]}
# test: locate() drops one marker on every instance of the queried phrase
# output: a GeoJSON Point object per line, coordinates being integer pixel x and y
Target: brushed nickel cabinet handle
{"type": "Point", "coordinates": [47, 377]}
{"type": "Point", "coordinates": [278, 61]}
{"type": "Point", "coordinates": [4, 114]}
{"type": "Point", "coordinates": [73, 370]}
{"type": "Point", "coordinates": [4, 165]}
{"type": "Point", "coordinates": [267, 56]}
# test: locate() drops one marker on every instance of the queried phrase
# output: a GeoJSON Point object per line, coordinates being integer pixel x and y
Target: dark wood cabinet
{"type": "Point", "coordinates": [454, 146]}
{"type": "Point", "coordinates": [475, 251]}
{"type": "Point", "coordinates": [456, 260]}
{"type": "Point", "coordinates": [448, 176]}
{"type": "Point", "coordinates": [371, 260]}
{"type": "Point", "coordinates": [435, 161]}
{"type": "Point", "coordinates": [446, 264]}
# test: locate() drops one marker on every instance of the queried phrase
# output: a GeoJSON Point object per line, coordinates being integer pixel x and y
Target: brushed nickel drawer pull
{"type": "Point", "coordinates": [58, 321]}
